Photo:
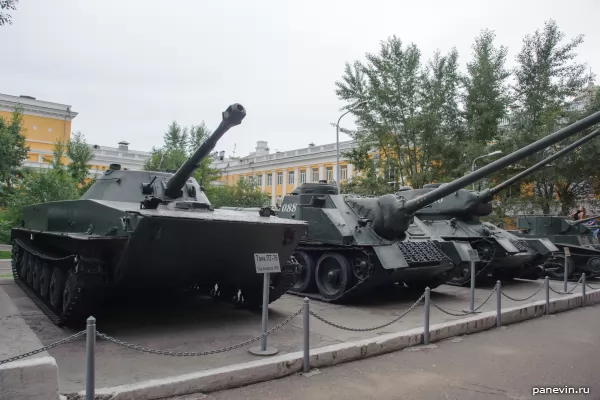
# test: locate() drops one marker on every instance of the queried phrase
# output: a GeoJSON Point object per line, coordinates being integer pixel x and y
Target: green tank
{"type": "Point", "coordinates": [136, 232]}
{"type": "Point", "coordinates": [503, 254]}
{"type": "Point", "coordinates": [576, 235]}
{"type": "Point", "coordinates": [355, 245]}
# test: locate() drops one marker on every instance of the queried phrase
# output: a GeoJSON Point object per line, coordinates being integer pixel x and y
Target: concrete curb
{"type": "Point", "coordinates": [287, 364]}
{"type": "Point", "coordinates": [35, 379]}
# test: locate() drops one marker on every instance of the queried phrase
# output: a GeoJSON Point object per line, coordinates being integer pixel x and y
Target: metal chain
{"type": "Point", "coordinates": [43, 256]}
{"type": "Point", "coordinates": [197, 353]}
{"type": "Point", "coordinates": [591, 287]}
{"type": "Point", "coordinates": [463, 313]}
{"type": "Point", "coordinates": [368, 329]}
{"type": "Point", "coordinates": [486, 300]}
{"type": "Point", "coordinates": [50, 346]}
{"type": "Point", "coordinates": [526, 298]}
{"type": "Point", "coordinates": [569, 292]}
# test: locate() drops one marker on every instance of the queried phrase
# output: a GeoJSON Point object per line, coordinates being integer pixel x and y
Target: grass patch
{"type": "Point", "coordinates": [6, 275]}
{"type": "Point", "coordinates": [5, 255]}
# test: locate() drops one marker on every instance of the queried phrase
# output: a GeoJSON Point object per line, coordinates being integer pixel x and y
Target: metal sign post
{"type": "Point", "coordinates": [565, 274]}
{"type": "Point", "coordinates": [265, 264]}
{"type": "Point", "coordinates": [473, 260]}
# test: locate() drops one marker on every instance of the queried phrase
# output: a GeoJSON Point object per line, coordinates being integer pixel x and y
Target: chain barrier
{"type": "Point", "coordinates": [345, 328]}
{"type": "Point", "coordinates": [526, 298]}
{"type": "Point", "coordinates": [591, 287]}
{"type": "Point", "coordinates": [197, 353]}
{"type": "Point", "coordinates": [570, 291]}
{"type": "Point", "coordinates": [455, 313]}
{"type": "Point", "coordinates": [50, 346]}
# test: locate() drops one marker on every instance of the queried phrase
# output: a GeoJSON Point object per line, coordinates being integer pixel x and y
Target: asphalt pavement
{"type": "Point", "coordinates": [559, 351]}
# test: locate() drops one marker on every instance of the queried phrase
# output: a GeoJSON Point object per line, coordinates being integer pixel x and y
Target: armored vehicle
{"type": "Point", "coordinates": [502, 254]}
{"type": "Point", "coordinates": [142, 231]}
{"type": "Point", "coordinates": [355, 244]}
{"type": "Point", "coordinates": [564, 232]}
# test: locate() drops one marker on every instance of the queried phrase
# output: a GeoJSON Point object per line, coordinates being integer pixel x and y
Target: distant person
{"type": "Point", "coordinates": [579, 214]}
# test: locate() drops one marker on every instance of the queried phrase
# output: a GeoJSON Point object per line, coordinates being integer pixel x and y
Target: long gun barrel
{"type": "Point", "coordinates": [232, 116]}
{"type": "Point", "coordinates": [488, 194]}
{"type": "Point", "coordinates": [413, 205]}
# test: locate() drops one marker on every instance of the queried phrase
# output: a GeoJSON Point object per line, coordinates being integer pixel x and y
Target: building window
{"type": "Point", "coordinates": [315, 175]}
{"type": "Point", "coordinates": [269, 180]}
{"type": "Point", "coordinates": [259, 180]}
{"type": "Point", "coordinates": [303, 176]}
{"type": "Point", "coordinates": [329, 175]}
{"type": "Point", "coordinates": [279, 178]}
{"type": "Point", "coordinates": [343, 174]}
{"type": "Point", "coordinates": [291, 177]}
{"type": "Point", "coordinates": [40, 158]}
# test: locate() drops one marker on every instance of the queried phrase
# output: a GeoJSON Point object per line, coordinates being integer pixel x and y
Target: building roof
{"type": "Point", "coordinates": [32, 106]}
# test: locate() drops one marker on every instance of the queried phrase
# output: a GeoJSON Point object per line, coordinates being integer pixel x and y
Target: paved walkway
{"type": "Point", "coordinates": [5, 247]}
{"type": "Point", "coordinates": [556, 351]}
{"type": "Point", "coordinates": [182, 324]}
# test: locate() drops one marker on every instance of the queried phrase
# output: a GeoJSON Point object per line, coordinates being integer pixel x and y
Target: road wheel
{"type": "Point", "coordinates": [56, 289]}
{"type": "Point", "coordinates": [333, 275]}
{"type": "Point", "coordinates": [306, 272]}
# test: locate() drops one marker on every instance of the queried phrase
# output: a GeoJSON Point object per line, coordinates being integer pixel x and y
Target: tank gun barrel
{"type": "Point", "coordinates": [428, 198]}
{"type": "Point", "coordinates": [232, 116]}
{"type": "Point", "coordinates": [489, 194]}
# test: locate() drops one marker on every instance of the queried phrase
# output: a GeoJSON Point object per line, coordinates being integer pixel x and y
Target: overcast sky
{"type": "Point", "coordinates": [131, 67]}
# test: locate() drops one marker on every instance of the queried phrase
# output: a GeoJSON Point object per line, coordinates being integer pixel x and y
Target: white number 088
{"type": "Point", "coordinates": [289, 207]}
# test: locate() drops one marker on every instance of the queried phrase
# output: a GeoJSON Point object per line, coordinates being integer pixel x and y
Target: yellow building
{"type": "Point", "coordinates": [44, 124]}
{"type": "Point", "coordinates": [279, 173]}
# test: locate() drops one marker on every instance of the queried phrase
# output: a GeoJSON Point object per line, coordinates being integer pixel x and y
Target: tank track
{"type": "Point", "coordinates": [58, 317]}
{"type": "Point", "coordinates": [520, 244]}
{"type": "Point", "coordinates": [372, 279]}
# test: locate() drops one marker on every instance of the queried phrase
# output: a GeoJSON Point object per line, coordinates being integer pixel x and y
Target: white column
{"type": "Point", "coordinates": [273, 183]}
{"type": "Point", "coordinates": [335, 169]}
{"type": "Point", "coordinates": [349, 172]}
{"type": "Point", "coordinates": [296, 177]}
{"type": "Point", "coordinates": [308, 174]}
{"type": "Point", "coordinates": [321, 172]}
{"type": "Point", "coordinates": [285, 178]}
{"type": "Point", "coordinates": [264, 182]}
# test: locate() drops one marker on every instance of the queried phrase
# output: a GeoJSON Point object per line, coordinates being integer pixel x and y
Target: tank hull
{"type": "Point", "coordinates": [161, 249]}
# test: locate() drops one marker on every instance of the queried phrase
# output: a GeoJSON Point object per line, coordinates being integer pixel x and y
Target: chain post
{"type": "Point", "coordinates": [547, 285]}
{"type": "Point", "coordinates": [426, 327]}
{"type": "Point", "coordinates": [90, 348]}
{"type": "Point", "coordinates": [565, 274]}
{"type": "Point", "coordinates": [472, 294]}
{"type": "Point", "coordinates": [583, 289]}
{"type": "Point", "coordinates": [498, 304]}
{"type": "Point", "coordinates": [306, 318]}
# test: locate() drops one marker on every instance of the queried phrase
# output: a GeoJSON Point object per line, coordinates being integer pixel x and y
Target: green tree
{"type": "Point", "coordinates": [5, 18]}
{"type": "Point", "coordinates": [80, 154]}
{"type": "Point", "coordinates": [547, 77]}
{"type": "Point", "coordinates": [197, 135]}
{"type": "Point", "coordinates": [486, 97]}
{"type": "Point", "coordinates": [243, 194]}
{"type": "Point", "coordinates": [13, 148]}
{"type": "Point", "coordinates": [411, 113]}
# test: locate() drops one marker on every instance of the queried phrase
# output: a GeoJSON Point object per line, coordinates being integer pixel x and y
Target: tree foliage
{"type": "Point", "coordinates": [427, 122]}
{"type": "Point", "coordinates": [242, 194]}
{"type": "Point", "coordinates": [547, 79]}
{"type": "Point", "coordinates": [6, 18]}
{"type": "Point", "coordinates": [80, 154]}
{"type": "Point", "coordinates": [179, 144]}
{"type": "Point", "coordinates": [411, 114]}
{"type": "Point", "coordinates": [13, 148]}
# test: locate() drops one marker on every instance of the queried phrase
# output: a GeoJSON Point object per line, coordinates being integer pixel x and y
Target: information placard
{"type": "Point", "coordinates": [267, 263]}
